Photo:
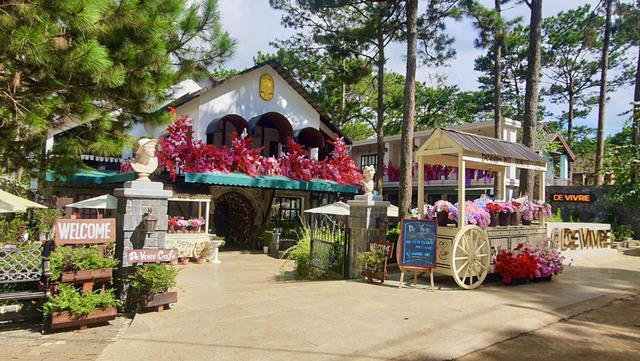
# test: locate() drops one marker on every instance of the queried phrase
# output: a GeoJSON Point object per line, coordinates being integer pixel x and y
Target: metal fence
{"type": "Point", "coordinates": [329, 249]}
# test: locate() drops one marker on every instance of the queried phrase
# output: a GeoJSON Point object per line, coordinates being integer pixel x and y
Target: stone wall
{"type": "Point", "coordinates": [600, 211]}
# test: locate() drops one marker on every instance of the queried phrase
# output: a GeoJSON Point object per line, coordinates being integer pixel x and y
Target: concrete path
{"type": "Point", "coordinates": [239, 310]}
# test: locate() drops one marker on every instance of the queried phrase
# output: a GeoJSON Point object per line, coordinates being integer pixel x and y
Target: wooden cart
{"type": "Point", "coordinates": [466, 251]}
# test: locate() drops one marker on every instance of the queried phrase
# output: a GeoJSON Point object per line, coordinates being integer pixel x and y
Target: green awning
{"type": "Point", "coordinates": [94, 177]}
{"type": "Point", "coordinates": [271, 182]}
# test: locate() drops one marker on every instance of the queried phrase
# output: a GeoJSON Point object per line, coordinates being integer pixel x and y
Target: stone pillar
{"type": "Point", "coordinates": [274, 245]}
{"type": "Point", "coordinates": [134, 201]}
{"type": "Point", "coordinates": [365, 209]}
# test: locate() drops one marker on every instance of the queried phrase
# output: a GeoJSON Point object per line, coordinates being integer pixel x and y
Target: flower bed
{"type": "Point", "coordinates": [529, 262]}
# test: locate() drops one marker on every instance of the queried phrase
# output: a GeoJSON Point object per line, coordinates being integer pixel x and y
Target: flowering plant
{"type": "Point", "coordinates": [475, 214]}
{"type": "Point", "coordinates": [182, 222]}
{"type": "Point", "coordinates": [172, 222]}
{"type": "Point", "coordinates": [508, 207]}
{"type": "Point", "coordinates": [543, 207]}
{"type": "Point", "coordinates": [195, 222]}
{"type": "Point", "coordinates": [549, 259]}
{"type": "Point", "coordinates": [516, 265]}
{"type": "Point", "coordinates": [493, 207]}
{"type": "Point", "coordinates": [440, 206]}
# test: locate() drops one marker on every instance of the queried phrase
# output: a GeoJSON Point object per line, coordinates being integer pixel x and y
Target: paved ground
{"type": "Point", "coordinates": [239, 310]}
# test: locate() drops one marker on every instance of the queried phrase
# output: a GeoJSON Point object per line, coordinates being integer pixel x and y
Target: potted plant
{"type": "Point", "coordinates": [516, 267]}
{"type": "Point", "coordinates": [172, 224]}
{"type": "Point", "coordinates": [474, 213]}
{"type": "Point", "coordinates": [151, 284]}
{"type": "Point", "coordinates": [549, 260]}
{"type": "Point", "coordinates": [440, 211]}
{"type": "Point", "coordinates": [507, 208]}
{"type": "Point", "coordinates": [82, 264]}
{"type": "Point", "coordinates": [622, 234]}
{"type": "Point", "coordinates": [265, 238]}
{"type": "Point", "coordinates": [71, 307]}
{"type": "Point", "coordinates": [494, 210]}
{"type": "Point", "coordinates": [204, 253]}
{"type": "Point", "coordinates": [372, 264]}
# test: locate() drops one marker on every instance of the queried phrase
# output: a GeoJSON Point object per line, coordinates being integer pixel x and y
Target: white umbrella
{"type": "Point", "coordinates": [337, 209]}
{"type": "Point", "coordinates": [343, 209]}
{"type": "Point", "coordinates": [10, 203]}
{"type": "Point", "coordinates": [106, 201]}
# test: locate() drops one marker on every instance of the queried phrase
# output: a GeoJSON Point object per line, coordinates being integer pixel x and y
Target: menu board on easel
{"type": "Point", "coordinates": [417, 244]}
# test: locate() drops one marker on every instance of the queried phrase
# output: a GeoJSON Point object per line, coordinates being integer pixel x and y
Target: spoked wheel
{"type": "Point", "coordinates": [471, 251]}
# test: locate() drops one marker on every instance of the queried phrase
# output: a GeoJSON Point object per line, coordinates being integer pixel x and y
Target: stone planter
{"type": "Point", "coordinates": [158, 300]}
{"type": "Point", "coordinates": [90, 275]}
{"type": "Point", "coordinates": [67, 319]}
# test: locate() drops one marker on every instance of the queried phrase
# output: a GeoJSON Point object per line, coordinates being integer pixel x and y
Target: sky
{"type": "Point", "coordinates": [254, 24]}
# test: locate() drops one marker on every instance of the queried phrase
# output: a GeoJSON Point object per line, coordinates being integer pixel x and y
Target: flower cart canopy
{"type": "Point", "coordinates": [445, 145]}
{"type": "Point", "coordinates": [106, 201]}
{"type": "Point", "coordinates": [10, 203]}
{"type": "Point", "coordinates": [94, 177]}
{"type": "Point", "coordinates": [271, 182]}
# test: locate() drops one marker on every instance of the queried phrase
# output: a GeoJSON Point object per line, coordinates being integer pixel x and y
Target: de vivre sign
{"type": "Point", "coordinates": [72, 231]}
{"type": "Point", "coordinates": [148, 255]}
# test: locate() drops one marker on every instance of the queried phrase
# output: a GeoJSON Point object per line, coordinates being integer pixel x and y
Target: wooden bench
{"type": "Point", "coordinates": [25, 266]}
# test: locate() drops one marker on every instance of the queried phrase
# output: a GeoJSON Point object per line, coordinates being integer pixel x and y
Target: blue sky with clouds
{"type": "Point", "coordinates": [254, 24]}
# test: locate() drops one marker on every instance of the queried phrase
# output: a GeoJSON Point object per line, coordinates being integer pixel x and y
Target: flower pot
{"type": "Point", "coordinates": [526, 222]}
{"type": "Point", "coordinates": [172, 229]}
{"type": "Point", "coordinates": [494, 217]}
{"type": "Point", "coordinates": [542, 279]}
{"type": "Point", "coordinates": [184, 261]}
{"type": "Point", "coordinates": [515, 281]}
{"type": "Point", "coordinates": [443, 218]}
{"type": "Point", "coordinates": [67, 319]}
{"type": "Point", "coordinates": [514, 219]}
{"type": "Point", "coordinates": [370, 275]}
{"type": "Point", "coordinates": [200, 260]}
{"type": "Point", "coordinates": [94, 275]}
{"type": "Point", "coordinates": [503, 219]}
{"type": "Point", "coordinates": [173, 262]}
{"type": "Point", "coordinates": [265, 249]}
{"type": "Point", "coordinates": [158, 300]}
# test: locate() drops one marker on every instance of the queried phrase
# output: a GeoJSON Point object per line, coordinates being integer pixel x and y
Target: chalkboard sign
{"type": "Point", "coordinates": [417, 244]}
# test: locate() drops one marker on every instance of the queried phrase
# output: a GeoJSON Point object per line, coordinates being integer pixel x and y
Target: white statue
{"type": "Point", "coordinates": [367, 179]}
{"type": "Point", "coordinates": [145, 162]}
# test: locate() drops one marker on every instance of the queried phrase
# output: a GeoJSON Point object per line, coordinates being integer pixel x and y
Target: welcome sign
{"type": "Point", "coordinates": [83, 231]}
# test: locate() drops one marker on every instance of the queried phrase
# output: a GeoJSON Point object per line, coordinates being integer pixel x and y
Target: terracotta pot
{"type": "Point", "coordinates": [184, 261]}
{"type": "Point", "coordinates": [503, 219]}
{"type": "Point", "coordinates": [67, 319]}
{"type": "Point", "coordinates": [515, 219]}
{"type": "Point", "coordinates": [494, 216]}
{"type": "Point", "coordinates": [200, 260]}
{"type": "Point", "coordinates": [95, 275]}
{"type": "Point", "coordinates": [173, 262]}
{"type": "Point", "coordinates": [443, 218]}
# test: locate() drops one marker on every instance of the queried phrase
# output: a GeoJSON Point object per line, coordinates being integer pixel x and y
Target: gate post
{"type": "Point", "coordinates": [365, 210]}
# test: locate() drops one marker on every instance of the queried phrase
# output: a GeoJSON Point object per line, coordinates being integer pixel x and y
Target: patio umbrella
{"type": "Point", "coordinates": [10, 203]}
{"type": "Point", "coordinates": [392, 211]}
{"type": "Point", "coordinates": [337, 209]}
{"type": "Point", "coordinates": [105, 201]}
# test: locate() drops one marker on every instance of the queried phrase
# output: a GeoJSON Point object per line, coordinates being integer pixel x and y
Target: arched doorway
{"type": "Point", "coordinates": [234, 219]}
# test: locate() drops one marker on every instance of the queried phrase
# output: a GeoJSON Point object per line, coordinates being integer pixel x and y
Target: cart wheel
{"type": "Point", "coordinates": [470, 254]}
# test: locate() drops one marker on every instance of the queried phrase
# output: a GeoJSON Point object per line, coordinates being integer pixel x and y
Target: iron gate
{"type": "Point", "coordinates": [330, 250]}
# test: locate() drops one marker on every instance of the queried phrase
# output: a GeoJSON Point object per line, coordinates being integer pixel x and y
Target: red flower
{"type": "Point", "coordinates": [172, 110]}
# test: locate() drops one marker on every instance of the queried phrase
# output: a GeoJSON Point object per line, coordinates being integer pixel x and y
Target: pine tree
{"type": "Point", "coordinates": [91, 68]}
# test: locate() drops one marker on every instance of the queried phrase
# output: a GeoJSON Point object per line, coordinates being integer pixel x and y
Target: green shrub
{"type": "Point", "coordinates": [372, 260]}
{"type": "Point", "coordinates": [557, 217]}
{"type": "Point", "coordinates": [79, 302]}
{"type": "Point", "coordinates": [79, 258]}
{"type": "Point", "coordinates": [301, 255]}
{"type": "Point", "coordinates": [153, 278]}
{"type": "Point", "coordinates": [621, 232]}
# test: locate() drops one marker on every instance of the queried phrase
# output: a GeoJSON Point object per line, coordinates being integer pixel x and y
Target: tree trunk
{"type": "Point", "coordinates": [602, 102]}
{"type": "Point", "coordinates": [498, 179]}
{"type": "Point", "coordinates": [380, 110]}
{"type": "Point", "coordinates": [408, 112]}
{"type": "Point", "coordinates": [635, 127]}
{"type": "Point", "coordinates": [529, 128]}
{"type": "Point", "coordinates": [570, 117]}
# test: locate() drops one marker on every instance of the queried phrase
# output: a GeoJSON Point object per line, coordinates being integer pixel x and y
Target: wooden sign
{"type": "Point", "coordinates": [81, 231]}
{"type": "Point", "coordinates": [386, 247]}
{"type": "Point", "coordinates": [573, 197]}
{"type": "Point", "coordinates": [148, 255]}
{"type": "Point", "coordinates": [417, 244]}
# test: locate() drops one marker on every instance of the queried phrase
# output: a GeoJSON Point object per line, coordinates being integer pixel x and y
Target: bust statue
{"type": "Point", "coordinates": [367, 179]}
{"type": "Point", "coordinates": [145, 161]}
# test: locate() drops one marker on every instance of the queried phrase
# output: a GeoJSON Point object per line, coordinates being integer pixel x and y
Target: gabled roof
{"type": "Point", "coordinates": [560, 138]}
{"type": "Point", "coordinates": [325, 117]}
